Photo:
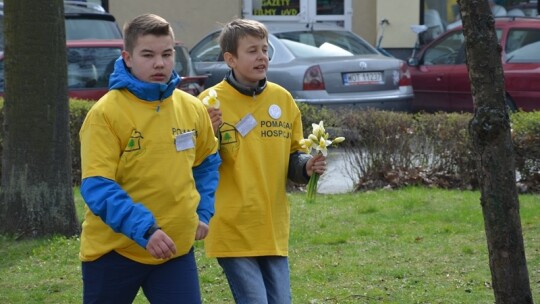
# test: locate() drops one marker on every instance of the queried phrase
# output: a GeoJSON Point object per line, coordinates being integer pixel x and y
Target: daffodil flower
{"type": "Point", "coordinates": [323, 145]}
{"type": "Point", "coordinates": [211, 101]}
{"type": "Point", "coordinates": [319, 142]}
{"type": "Point", "coordinates": [318, 129]}
{"type": "Point", "coordinates": [338, 140]}
{"type": "Point", "coordinates": [307, 145]}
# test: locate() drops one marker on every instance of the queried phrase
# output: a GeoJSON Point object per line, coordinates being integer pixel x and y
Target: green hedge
{"type": "Point", "coordinates": [394, 149]}
{"type": "Point", "coordinates": [526, 138]}
{"type": "Point", "coordinates": [78, 110]}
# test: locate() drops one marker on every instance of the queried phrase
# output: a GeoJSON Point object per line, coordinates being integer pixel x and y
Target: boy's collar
{"type": "Point", "coordinates": [122, 78]}
{"type": "Point", "coordinates": [244, 89]}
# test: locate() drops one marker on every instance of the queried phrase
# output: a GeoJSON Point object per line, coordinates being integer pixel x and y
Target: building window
{"type": "Point", "coordinates": [276, 7]}
{"type": "Point", "coordinates": [330, 7]}
{"type": "Point", "coordinates": [306, 11]}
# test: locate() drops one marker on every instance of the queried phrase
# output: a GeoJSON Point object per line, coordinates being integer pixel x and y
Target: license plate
{"type": "Point", "coordinates": [350, 79]}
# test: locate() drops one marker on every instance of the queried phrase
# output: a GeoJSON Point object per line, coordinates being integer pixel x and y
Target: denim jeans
{"type": "Point", "coordinates": [258, 280]}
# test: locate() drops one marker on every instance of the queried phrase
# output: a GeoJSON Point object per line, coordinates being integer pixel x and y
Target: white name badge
{"type": "Point", "coordinates": [184, 141]}
{"type": "Point", "coordinates": [274, 111]}
{"type": "Point", "coordinates": [246, 124]}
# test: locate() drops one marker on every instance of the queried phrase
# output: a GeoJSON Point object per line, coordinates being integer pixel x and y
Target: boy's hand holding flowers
{"type": "Point", "coordinates": [316, 166]}
{"type": "Point", "coordinates": [211, 101]}
{"type": "Point", "coordinates": [212, 104]}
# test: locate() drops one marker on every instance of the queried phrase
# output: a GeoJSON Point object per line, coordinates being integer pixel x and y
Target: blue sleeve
{"type": "Point", "coordinates": [114, 206]}
{"type": "Point", "coordinates": [206, 177]}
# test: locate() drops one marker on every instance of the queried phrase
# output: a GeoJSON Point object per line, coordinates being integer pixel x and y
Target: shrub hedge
{"type": "Point", "coordinates": [394, 149]}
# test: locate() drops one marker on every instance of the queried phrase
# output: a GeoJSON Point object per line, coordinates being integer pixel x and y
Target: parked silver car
{"type": "Point", "coordinates": [321, 64]}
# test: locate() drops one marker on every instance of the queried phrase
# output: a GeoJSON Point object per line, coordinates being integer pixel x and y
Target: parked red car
{"type": "Point", "coordinates": [90, 63]}
{"type": "Point", "coordinates": [440, 78]}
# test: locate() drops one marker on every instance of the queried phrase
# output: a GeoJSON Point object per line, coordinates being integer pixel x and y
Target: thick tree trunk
{"type": "Point", "coordinates": [37, 193]}
{"type": "Point", "coordinates": [490, 132]}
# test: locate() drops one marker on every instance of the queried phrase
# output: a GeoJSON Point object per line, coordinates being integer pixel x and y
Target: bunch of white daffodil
{"type": "Point", "coordinates": [317, 141]}
{"type": "Point", "coordinates": [211, 101]}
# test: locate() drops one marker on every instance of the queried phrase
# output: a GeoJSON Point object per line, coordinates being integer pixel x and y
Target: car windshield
{"type": "Point", "coordinates": [325, 43]}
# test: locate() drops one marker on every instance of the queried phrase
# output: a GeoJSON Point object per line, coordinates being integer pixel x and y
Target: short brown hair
{"type": "Point", "coordinates": [147, 24]}
{"type": "Point", "coordinates": [240, 28]}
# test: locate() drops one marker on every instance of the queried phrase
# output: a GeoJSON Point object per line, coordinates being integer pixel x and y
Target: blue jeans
{"type": "Point", "coordinates": [258, 280]}
{"type": "Point", "coordinates": [115, 279]}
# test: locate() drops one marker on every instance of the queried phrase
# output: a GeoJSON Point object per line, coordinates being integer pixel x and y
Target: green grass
{"type": "Point", "coordinates": [413, 245]}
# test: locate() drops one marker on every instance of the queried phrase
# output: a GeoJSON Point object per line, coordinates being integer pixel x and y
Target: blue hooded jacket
{"type": "Point", "coordinates": [106, 199]}
{"type": "Point", "coordinates": [122, 78]}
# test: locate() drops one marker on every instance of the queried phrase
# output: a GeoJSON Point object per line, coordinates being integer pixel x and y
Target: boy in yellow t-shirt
{"type": "Point", "coordinates": [259, 144]}
{"type": "Point", "coordinates": [150, 170]}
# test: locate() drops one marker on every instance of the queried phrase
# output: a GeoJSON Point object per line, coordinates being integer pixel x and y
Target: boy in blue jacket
{"type": "Point", "coordinates": [150, 171]}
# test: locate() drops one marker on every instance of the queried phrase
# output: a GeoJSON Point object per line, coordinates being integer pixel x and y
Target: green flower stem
{"type": "Point", "coordinates": [312, 188]}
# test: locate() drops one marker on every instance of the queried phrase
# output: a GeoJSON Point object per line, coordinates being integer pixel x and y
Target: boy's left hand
{"type": "Point", "coordinates": [160, 245]}
{"type": "Point", "coordinates": [202, 231]}
{"type": "Point", "coordinates": [215, 117]}
{"type": "Point", "coordinates": [316, 164]}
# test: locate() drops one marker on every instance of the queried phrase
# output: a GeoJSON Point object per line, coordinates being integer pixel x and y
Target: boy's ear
{"type": "Point", "coordinates": [127, 58]}
{"type": "Point", "coordinates": [229, 59]}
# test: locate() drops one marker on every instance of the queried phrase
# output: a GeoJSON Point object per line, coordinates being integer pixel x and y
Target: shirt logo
{"type": "Point", "coordinates": [227, 134]}
{"type": "Point", "coordinates": [134, 143]}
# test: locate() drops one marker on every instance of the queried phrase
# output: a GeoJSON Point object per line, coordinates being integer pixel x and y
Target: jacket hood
{"type": "Point", "coordinates": [122, 78]}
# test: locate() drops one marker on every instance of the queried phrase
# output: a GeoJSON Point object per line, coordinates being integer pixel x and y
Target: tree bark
{"type": "Point", "coordinates": [37, 193]}
{"type": "Point", "coordinates": [490, 132]}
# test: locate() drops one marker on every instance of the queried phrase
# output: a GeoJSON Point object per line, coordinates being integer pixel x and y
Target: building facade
{"type": "Point", "coordinates": [192, 19]}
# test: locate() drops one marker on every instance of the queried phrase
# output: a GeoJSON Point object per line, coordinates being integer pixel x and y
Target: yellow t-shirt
{"type": "Point", "coordinates": [126, 140]}
{"type": "Point", "coordinates": [252, 209]}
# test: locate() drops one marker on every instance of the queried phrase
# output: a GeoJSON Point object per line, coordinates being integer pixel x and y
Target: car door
{"type": "Point", "coordinates": [521, 64]}
{"type": "Point", "coordinates": [460, 93]}
{"type": "Point", "coordinates": [431, 79]}
{"type": "Point", "coordinates": [430, 88]}
{"type": "Point", "coordinates": [460, 96]}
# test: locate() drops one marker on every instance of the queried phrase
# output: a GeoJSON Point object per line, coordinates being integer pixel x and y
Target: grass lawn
{"type": "Point", "coordinates": [413, 245]}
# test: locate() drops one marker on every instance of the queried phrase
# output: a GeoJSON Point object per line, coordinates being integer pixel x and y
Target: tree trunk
{"type": "Point", "coordinates": [490, 132]}
{"type": "Point", "coordinates": [37, 193]}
